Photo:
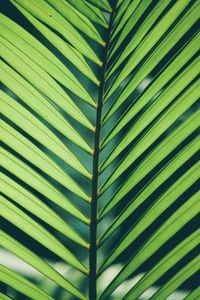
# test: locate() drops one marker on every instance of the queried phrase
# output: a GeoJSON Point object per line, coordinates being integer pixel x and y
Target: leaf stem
{"type": "Point", "coordinates": [95, 178]}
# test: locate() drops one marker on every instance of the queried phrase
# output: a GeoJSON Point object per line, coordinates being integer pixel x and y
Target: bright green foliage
{"type": "Point", "coordinates": [24, 222]}
{"type": "Point", "coordinates": [165, 264]}
{"type": "Point", "coordinates": [194, 295]}
{"type": "Point", "coordinates": [28, 256]}
{"type": "Point", "coordinates": [16, 141]}
{"type": "Point", "coordinates": [4, 297]}
{"type": "Point", "coordinates": [21, 284]}
{"type": "Point", "coordinates": [99, 102]}
{"type": "Point", "coordinates": [38, 208]}
{"type": "Point", "coordinates": [185, 273]}
{"type": "Point", "coordinates": [29, 45]}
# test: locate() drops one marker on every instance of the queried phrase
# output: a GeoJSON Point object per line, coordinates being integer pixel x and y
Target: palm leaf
{"type": "Point", "coordinates": [21, 284]}
{"type": "Point", "coordinates": [99, 102]}
{"type": "Point", "coordinates": [172, 258]}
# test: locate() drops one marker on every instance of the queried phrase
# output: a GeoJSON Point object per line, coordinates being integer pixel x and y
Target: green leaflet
{"type": "Point", "coordinates": [169, 41]}
{"type": "Point", "coordinates": [164, 265]}
{"type": "Point", "coordinates": [185, 213]}
{"type": "Point", "coordinates": [155, 87]}
{"type": "Point", "coordinates": [29, 151]}
{"type": "Point", "coordinates": [168, 198]}
{"type": "Point", "coordinates": [35, 261]}
{"type": "Point", "coordinates": [29, 123]}
{"type": "Point", "coordinates": [193, 295]}
{"type": "Point", "coordinates": [45, 13]}
{"type": "Point", "coordinates": [43, 82]}
{"type": "Point", "coordinates": [37, 52]}
{"type": "Point", "coordinates": [168, 117]}
{"type": "Point", "coordinates": [97, 11]}
{"type": "Point", "coordinates": [164, 123]}
{"type": "Point", "coordinates": [17, 217]}
{"type": "Point", "coordinates": [34, 99]}
{"type": "Point", "coordinates": [140, 33]}
{"type": "Point", "coordinates": [121, 11]}
{"type": "Point", "coordinates": [91, 12]}
{"type": "Point", "coordinates": [103, 4]}
{"type": "Point", "coordinates": [66, 49]}
{"type": "Point", "coordinates": [35, 180]}
{"type": "Point", "coordinates": [164, 149]}
{"type": "Point", "coordinates": [120, 2]}
{"type": "Point", "coordinates": [4, 297]}
{"type": "Point", "coordinates": [77, 19]}
{"type": "Point", "coordinates": [40, 105]}
{"type": "Point", "coordinates": [149, 42]}
{"type": "Point", "coordinates": [125, 11]}
{"type": "Point", "coordinates": [34, 205]}
{"type": "Point", "coordinates": [137, 200]}
{"type": "Point", "coordinates": [22, 285]}
{"type": "Point", "coordinates": [191, 268]}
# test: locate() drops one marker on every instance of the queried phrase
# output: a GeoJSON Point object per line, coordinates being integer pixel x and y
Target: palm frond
{"type": "Point", "coordinates": [21, 284]}
{"type": "Point", "coordinates": [99, 102]}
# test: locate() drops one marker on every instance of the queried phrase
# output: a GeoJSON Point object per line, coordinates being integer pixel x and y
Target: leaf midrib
{"type": "Point", "coordinates": [96, 170]}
